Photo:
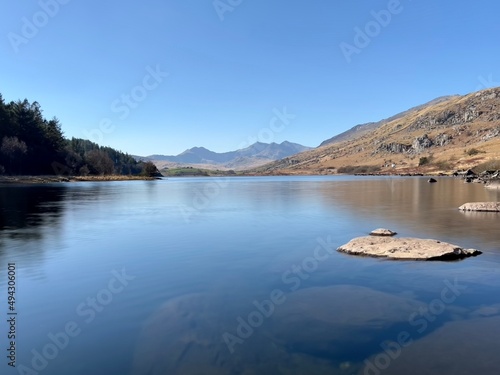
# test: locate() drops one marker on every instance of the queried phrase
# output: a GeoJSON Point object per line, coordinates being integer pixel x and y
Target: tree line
{"type": "Point", "coordinates": [33, 145]}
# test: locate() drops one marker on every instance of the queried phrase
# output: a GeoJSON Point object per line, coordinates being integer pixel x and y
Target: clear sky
{"type": "Point", "coordinates": [161, 76]}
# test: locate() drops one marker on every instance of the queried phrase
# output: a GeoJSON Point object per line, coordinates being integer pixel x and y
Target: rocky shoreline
{"type": "Point", "coordinates": [7, 180]}
{"type": "Point", "coordinates": [486, 177]}
{"type": "Point", "coordinates": [481, 207]}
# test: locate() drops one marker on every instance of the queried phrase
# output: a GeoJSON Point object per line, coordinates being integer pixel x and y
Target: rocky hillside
{"type": "Point", "coordinates": [454, 132]}
{"type": "Point", "coordinates": [362, 129]}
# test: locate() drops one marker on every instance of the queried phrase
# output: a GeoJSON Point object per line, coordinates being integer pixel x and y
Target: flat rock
{"type": "Point", "coordinates": [382, 232]}
{"type": "Point", "coordinates": [493, 184]}
{"type": "Point", "coordinates": [406, 248]}
{"type": "Point", "coordinates": [481, 206]}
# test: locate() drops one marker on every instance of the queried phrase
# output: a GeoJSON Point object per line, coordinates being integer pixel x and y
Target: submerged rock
{"type": "Point", "coordinates": [481, 206]}
{"type": "Point", "coordinates": [437, 352]}
{"type": "Point", "coordinates": [406, 248]}
{"type": "Point", "coordinates": [493, 184]}
{"type": "Point", "coordinates": [382, 232]}
{"type": "Point", "coordinates": [431, 180]}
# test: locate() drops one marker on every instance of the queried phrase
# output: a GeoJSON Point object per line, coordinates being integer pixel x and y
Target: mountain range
{"type": "Point", "coordinates": [250, 157]}
{"type": "Point", "coordinates": [449, 132]}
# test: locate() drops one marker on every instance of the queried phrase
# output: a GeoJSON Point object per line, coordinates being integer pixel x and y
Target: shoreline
{"type": "Point", "coordinates": [8, 180]}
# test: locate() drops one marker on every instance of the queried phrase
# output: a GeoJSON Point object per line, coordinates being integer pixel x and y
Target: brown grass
{"type": "Point", "coordinates": [466, 149]}
{"type": "Point", "coordinates": [51, 179]}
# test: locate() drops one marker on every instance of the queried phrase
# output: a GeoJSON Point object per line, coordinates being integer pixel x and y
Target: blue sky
{"type": "Point", "coordinates": [161, 76]}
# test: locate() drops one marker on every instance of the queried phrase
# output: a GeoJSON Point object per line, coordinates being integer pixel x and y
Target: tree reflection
{"type": "Point", "coordinates": [24, 209]}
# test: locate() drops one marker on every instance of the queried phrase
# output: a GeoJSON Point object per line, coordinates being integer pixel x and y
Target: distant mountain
{"type": "Point", "coordinates": [255, 155]}
{"type": "Point", "coordinates": [362, 129]}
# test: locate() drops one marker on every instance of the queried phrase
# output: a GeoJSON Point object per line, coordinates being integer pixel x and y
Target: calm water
{"type": "Point", "coordinates": [240, 276]}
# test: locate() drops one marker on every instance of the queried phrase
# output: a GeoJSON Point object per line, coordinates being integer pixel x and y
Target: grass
{"type": "Point", "coordinates": [357, 169]}
{"type": "Point", "coordinates": [49, 179]}
{"type": "Point", "coordinates": [443, 165]}
{"type": "Point", "coordinates": [474, 151]}
{"type": "Point", "coordinates": [190, 172]}
{"type": "Point", "coordinates": [424, 160]}
{"type": "Point", "coordinates": [110, 178]}
{"type": "Point", "coordinates": [180, 172]}
{"type": "Point", "coordinates": [490, 165]}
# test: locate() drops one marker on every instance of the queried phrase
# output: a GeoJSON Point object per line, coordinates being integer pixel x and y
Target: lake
{"type": "Point", "coordinates": [241, 276]}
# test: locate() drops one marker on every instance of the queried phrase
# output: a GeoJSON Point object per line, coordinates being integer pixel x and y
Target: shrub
{"type": "Point", "coordinates": [356, 169]}
{"type": "Point", "coordinates": [423, 161]}
{"type": "Point", "coordinates": [149, 170]}
{"type": "Point", "coordinates": [474, 151]}
{"type": "Point", "coordinates": [443, 165]}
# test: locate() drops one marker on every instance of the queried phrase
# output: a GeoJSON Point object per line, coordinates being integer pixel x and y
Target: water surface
{"type": "Point", "coordinates": [241, 276]}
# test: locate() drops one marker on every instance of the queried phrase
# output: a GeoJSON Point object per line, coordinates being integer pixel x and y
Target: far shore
{"type": "Point", "coordinates": [51, 179]}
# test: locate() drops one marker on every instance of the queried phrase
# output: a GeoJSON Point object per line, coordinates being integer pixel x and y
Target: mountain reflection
{"type": "Point", "coordinates": [412, 206]}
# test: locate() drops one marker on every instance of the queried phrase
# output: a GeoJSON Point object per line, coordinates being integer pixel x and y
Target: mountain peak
{"type": "Point", "coordinates": [256, 154]}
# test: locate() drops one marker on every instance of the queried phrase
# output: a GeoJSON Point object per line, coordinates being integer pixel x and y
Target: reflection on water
{"type": "Point", "coordinates": [23, 209]}
{"type": "Point", "coordinates": [198, 283]}
{"type": "Point", "coordinates": [423, 209]}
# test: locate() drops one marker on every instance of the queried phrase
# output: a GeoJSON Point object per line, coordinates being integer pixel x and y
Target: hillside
{"type": "Point", "coordinates": [457, 132]}
{"type": "Point", "coordinates": [362, 129]}
{"type": "Point", "coordinates": [250, 157]}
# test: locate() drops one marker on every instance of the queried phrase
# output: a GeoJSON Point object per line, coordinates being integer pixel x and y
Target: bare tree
{"type": "Point", "coordinates": [13, 149]}
{"type": "Point", "coordinates": [99, 162]}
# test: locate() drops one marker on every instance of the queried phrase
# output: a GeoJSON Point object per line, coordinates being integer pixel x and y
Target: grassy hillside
{"type": "Point", "coordinates": [460, 132]}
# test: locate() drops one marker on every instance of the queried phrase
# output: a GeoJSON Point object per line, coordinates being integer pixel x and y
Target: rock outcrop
{"type": "Point", "coordinates": [382, 232]}
{"type": "Point", "coordinates": [406, 248]}
{"type": "Point", "coordinates": [420, 144]}
{"type": "Point", "coordinates": [481, 206]}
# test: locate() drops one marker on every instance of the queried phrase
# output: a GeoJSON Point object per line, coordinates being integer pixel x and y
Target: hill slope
{"type": "Point", "coordinates": [458, 132]}
{"type": "Point", "coordinates": [362, 129]}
